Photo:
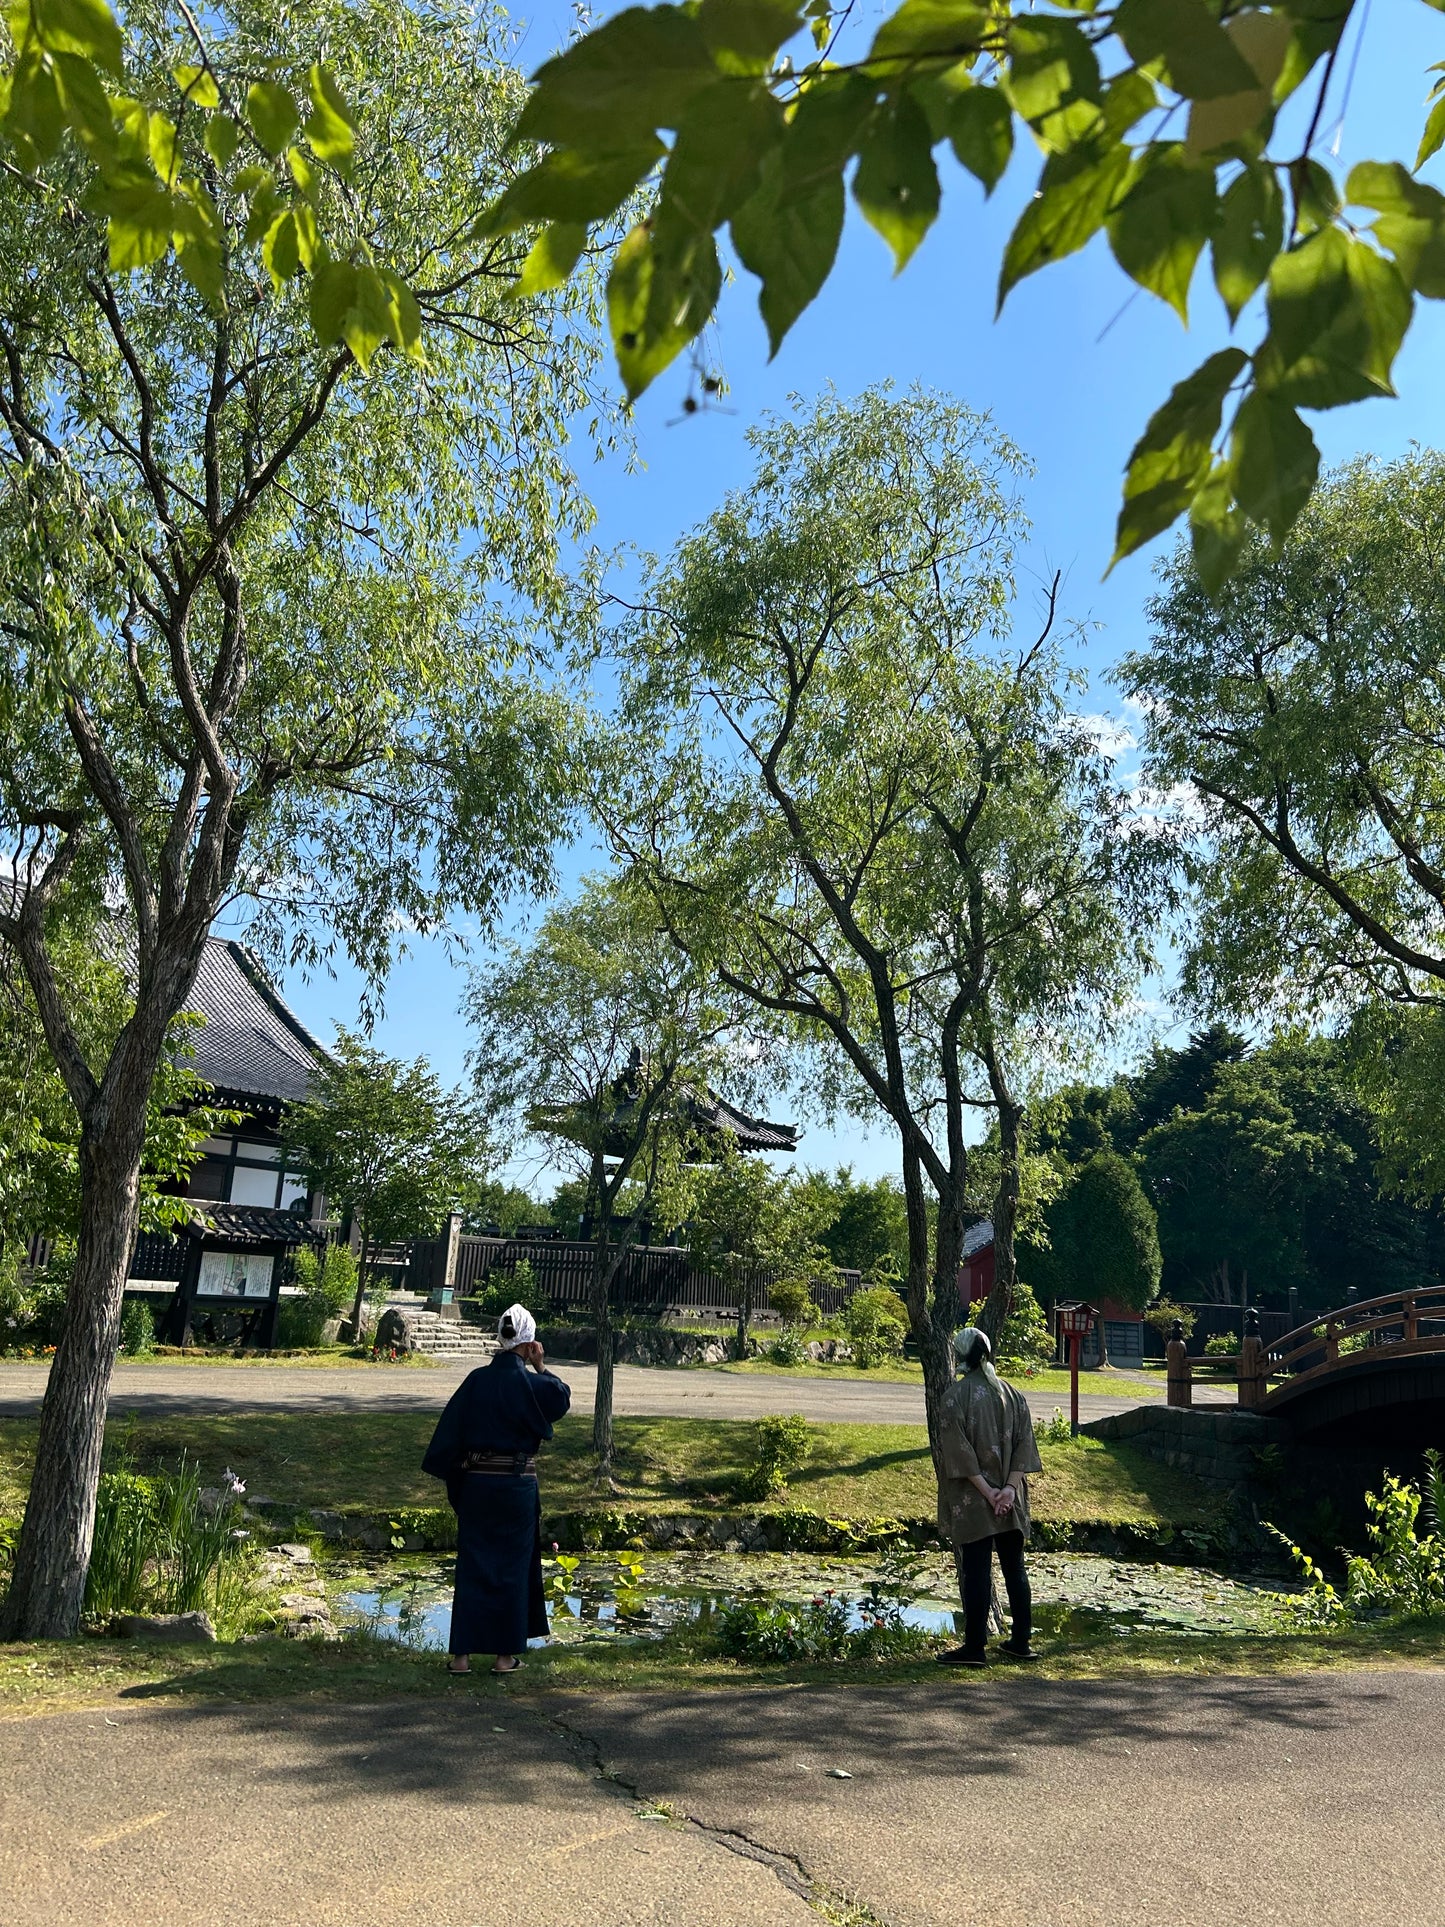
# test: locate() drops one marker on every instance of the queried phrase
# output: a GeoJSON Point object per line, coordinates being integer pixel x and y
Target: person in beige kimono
{"type": "Point", "coordinates": [983, 1499]}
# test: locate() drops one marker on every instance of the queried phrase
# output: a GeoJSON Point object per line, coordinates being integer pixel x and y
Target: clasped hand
{"type": "Point", "coordinates": [1002, 1501]}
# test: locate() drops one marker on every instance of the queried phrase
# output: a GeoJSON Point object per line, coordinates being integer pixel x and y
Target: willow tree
{"type": "Point", "coordinates": [247, 518]}
{"type": "Point", "coordinates": [594, 1038]}
{"type": "Point", "coordinates": [872, 812]}
{"type": "Point", "coordinates": [1299, 717]}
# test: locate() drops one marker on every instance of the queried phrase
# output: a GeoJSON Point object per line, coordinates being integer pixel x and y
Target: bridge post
{"type": "Point", "coordinates": [1253, 1365]}
{"type": "Point", "coordinates": [1178, 1372]}
{"type": "Point", "coordinates": [1412, 1320]}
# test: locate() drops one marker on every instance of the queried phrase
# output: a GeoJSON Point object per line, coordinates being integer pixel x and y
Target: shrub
{"type": "Point", "coordinates": [137, 1329]}
{"type": "Point", "coordinates": [1056, 1430]}
{"type": "Point", "coordinates": [1404, 1570]}
{"type": "Point", "coordinates": [780, 1446]}
{"type": "Point", "coordinates": [1221, 1345]}
{"type": "Point", "coordinates": [787, 1348]}
{"type": "Point", "coordinates": [515, 1287]}
{"type": "Point", "coordinates": [1162, 1314]}
{"type": "Point", "coordinates": [327, 1279]}
{"type": "Point", "coordinates": [1025, 1338]}
{"type": "Point", "coordinates": [776, 1633]}
{"type": "Point", "coordinates": [792, 1300]}
{"type": "Point", "coordinates": [876, 1322]}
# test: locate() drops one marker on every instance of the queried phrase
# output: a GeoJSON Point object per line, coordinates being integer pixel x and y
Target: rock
{"type": "Point", "coordinates": [184, 1629]}
{"type": "Point", "coordinates": [299, 1555]}
{"type": "Point", "coordinates": [330, 1525]}
{"type": "Point", "coordinates": [396, 1327]}
{"type": "Point", "coordinates": [839, 1773]}
{"type": "Point", "coordinates": [714, 1353]}
{"type": "Point", "coordinates": [305, 1603]}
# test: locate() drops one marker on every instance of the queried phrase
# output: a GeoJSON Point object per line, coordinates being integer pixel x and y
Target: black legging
{"type": "Point", "coordinates": [976, 1584]}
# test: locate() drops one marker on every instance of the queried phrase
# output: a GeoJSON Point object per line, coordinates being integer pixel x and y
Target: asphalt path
{"type": "Point", "coordinates": [997, 1802]}
{"type": "Point", "coordinates": [639, 1391]}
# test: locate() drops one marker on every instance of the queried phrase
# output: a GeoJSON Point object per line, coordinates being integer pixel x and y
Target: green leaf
{"type": "Point", "coordinates": [552, 258]}
{"type": "Point", "coordinates": [273, 114]}
{"type": "Point", "coordinates": [141, 218]}
{"type": "Point", "coordinates": [198, 87]}
{"type": "Point", "coordinates": [725, 135]}
{"type": "Point", "coordinates": [1248, 237]}
{"type": "Point", "coordinates": [930, 27]}
{"type": "Point", "coordinates": [660, 296]}
{"type": "Point", "coordinates": [330, 130]}
{"type": "Point", "coordinates": [403, 314]}
{"type": "Point", "coordinates": [790, 244]}
{"type": "Point", "coordinates": [221, 139]}
{"type": "Point", "coordinates": [569, 186]}
{"type": "Point", "coordinates": [1077, 191]}
{"type": "Point", "coordinates": [35, 113]}
{"type": "Point", "coordinates": [1411, 223]}
{"type": "Point", "coordinates": [164, 153]}
{"type": "Point", "coordinates": [264, 207]}
{"type": "Point", "coordinates": [86, 104]}
{"type": "Point", "coordinates": [825, 129]}
{"type": "Point", "coordinates": [333, 292]}
{"type": "Point", "coordinates": [1173, 455]}
{"type": "Point", "coordinates": [634, 73]}
{"type": "Point", "coordinates": [1262, 41]}
{"type": "Point", "coordinates": [1199, 58]}
{"type": "Point", "coordinates": [1433, 136]}
{"type": "Point", "coordinates": [743, 35]}
{"type": "Point", "coordinates": [1338, 312]}
{"type": "Point", "coordinates": [1273, 462]}
{"type": "Point", "coordinates": [896, 183]}
{"type": "Point", "coordinates": [1050, 66]}
{"type": "Point", "coordinates": [197, 237]}
{"type": "Point", "coordinates": [85, 27]}
{"type": "Point", "coordinates": [1217, 527]}
{"type": "Point", "coordinates": [981, 128]}
{"type": "Point", "coordinates": [281, 250]}
{"type": "Point", "coordinates": [1159, 229]}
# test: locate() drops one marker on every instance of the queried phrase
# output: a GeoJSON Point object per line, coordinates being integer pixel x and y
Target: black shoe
{"type": "Point", "coordinates": [1021, 1654]}
{"type": "Point", "coordinates": [959, 1656]}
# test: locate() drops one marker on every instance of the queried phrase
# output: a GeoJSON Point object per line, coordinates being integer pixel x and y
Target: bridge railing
{"type": "Point", "coordinates": [1403, 1321]}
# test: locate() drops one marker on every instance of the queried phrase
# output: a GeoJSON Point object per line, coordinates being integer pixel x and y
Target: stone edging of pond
{"type": "Point", "coordinates": [783, 1529]}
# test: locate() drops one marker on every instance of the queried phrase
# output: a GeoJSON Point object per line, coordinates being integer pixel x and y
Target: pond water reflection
{"type": "Point", "coordinates": [413, 1605]}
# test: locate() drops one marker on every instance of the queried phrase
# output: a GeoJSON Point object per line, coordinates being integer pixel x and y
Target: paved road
{"type": "Point", "coordinates": [1009, 1803]}
{"type": "Point", "coordinates": [172, 1390]}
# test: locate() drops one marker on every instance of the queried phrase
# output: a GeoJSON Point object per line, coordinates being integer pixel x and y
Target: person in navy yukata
{"type": "Point", "coordinates": [485, 1448]}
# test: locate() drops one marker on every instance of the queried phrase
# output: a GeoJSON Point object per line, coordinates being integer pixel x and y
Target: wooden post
{"type": "Point", "coordinates": [1332, 1341]}
{"type": "Point", "coordinates": [1178, 1371]}
{"type": "Point", "coordinates": [1412, 1320]}
{"type": "Point", "coordinates": [1253, 1365]}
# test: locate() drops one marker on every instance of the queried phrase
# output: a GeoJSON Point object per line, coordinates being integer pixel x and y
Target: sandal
{"type": "Point", "coordinates": [458, 1672]}
{"type": "Point", "coordinates": [502, 1671]}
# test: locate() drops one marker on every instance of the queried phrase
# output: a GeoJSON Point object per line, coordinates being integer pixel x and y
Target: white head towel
{"type": "Point", "coordinates": [515, 1327]}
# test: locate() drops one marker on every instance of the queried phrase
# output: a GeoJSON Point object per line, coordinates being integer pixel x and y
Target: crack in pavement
{"type": "Point", "coordinates": [843, 1910]}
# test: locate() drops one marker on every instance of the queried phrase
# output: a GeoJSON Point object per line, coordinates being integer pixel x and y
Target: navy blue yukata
{"type": "Point", "coordinates": [501, 1409]}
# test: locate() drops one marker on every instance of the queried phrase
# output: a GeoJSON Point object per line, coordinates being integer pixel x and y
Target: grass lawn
{"type": "Point", "coordinates": [663, 1464]}
{"type": "Point", "coordinates": [52, 1675]}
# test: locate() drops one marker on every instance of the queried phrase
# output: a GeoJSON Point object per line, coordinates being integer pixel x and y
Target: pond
{"type": "Point", "coordinates": [600, 1601]}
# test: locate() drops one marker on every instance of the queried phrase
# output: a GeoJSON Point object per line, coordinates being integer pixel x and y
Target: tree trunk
{"type": "Point", "coordinates": [745, 1311]}
{"type": "Point", "coordinates": [945, 1316]}
{"type": "Point", "coordinates": [47, 1588]}
{"type": "Point", "coordinates": [602, 1271]}
{"type": "Point", "coordinates": [359, 1301]}
{"type": "Point", "coordinates": [1005, 1208]}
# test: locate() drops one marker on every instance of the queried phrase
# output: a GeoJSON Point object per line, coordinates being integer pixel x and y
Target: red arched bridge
{"type": "Point", "coordinates": [1380, 1360]}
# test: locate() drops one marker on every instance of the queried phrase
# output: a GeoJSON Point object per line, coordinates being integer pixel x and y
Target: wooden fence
{"type": "Point", "coordinates": [654, 1279]}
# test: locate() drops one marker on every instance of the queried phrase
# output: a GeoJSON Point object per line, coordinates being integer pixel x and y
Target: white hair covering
{"type": "Point", "coordinates": [515, 1327]}
{"type": "Point", "coordinates": [971, 1347]}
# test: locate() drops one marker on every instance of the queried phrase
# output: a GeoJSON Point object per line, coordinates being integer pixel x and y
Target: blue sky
{"type": "Point", "coordinates": [1071, 372]}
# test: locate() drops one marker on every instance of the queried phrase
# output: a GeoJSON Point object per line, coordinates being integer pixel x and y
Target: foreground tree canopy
{"type": "Point", "coordinates": [1170, 125]}
{"type": "Point", "coordinates": [243, 586]}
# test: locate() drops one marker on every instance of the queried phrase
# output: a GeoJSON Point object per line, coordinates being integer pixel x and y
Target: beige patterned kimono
{"type": "Point", "coordinates": [987, 1429]}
